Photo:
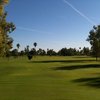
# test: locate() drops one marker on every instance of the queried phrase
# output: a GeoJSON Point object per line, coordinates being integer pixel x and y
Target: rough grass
{"type": "Point", "coordinates": [50, 78]}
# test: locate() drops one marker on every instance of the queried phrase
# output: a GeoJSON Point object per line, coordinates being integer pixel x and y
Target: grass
{"type": "Point", "coordinates": [50, 78]}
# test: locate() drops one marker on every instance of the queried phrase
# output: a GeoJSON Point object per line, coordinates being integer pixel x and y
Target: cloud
{"type": "Point", "coordinates": [33, 30]}
{"type": "Point", "coordinates": [80, 13]}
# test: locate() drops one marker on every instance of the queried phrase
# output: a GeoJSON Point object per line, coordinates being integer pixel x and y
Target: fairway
{"type": "Point", "coordinates": [50, 78]}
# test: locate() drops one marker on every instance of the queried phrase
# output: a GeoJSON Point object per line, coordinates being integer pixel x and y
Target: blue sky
{"type": "Point", "coordinates": [53, 24]}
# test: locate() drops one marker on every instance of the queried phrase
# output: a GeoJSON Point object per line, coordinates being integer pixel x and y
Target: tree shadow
{"type": "Point", "coordinates": [93, 82]}
{"type": "Point", "coordinates": [74, 67]}
{"type": "Point", "coordinates": [61, 61]}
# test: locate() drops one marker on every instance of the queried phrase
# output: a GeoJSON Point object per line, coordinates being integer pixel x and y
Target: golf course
{"type": "Point", "coordinates": [50, 78]}
{"type": "Point", "coordinates": [49, 50]}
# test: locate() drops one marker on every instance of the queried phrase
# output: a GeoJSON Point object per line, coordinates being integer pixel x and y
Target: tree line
{"type": "Point", "coordinates": [6, 41]}
{"type": "Point", "coordinates": [49, 52]}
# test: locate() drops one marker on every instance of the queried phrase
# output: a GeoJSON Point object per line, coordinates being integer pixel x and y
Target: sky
{"type": "Point", "coordinates": [53, 24]}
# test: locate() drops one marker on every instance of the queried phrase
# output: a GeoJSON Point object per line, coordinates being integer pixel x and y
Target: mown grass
{"type": "Point", "coordinates": [50, 78]}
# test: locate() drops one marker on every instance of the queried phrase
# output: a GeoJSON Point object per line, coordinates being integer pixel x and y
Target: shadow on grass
{"type": "Point", "coordinates": [93, 82]}
{"type": "Point", "coordinates": [62, 61]}
{"type": "Point", "coordinates": [74, 67]}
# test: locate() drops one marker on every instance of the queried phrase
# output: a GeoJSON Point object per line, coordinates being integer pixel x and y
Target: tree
{"type": "Point", "coordinates": [31, 53]}
{"type": "Point", "coordinates": [2, 3]}
{"type": "Point", "coordinates": [94, 40]}
{"type": "Point", "coordinates": [5, 28]}
{"type": "Point", "coordinates": [35, 44]}
{"type": "Point", "coordinates": [51, 52]}
{"type": "Point", "coordinates": [41, 52]}
{"type": "Point", "coordinates": [67, 52]}
{"type": "Point", "coordinates": [26, 50]}
{"type": "Point", "coordinates": [18, 46]}
{"type": "Point", "coordinates": [86, 51]}
{"type": "Point", "coordinates": [14, 53]}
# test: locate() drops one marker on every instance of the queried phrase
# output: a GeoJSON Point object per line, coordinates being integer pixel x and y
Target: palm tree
{"type": "Point", "coordinates": [18, 45]}
{"type": "Point", "coordinates": [27, 48]}
{"type": "Point", "coordinates": [35, 44]}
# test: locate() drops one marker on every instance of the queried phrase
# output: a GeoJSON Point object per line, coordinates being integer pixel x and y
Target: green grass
{"type": "Point", "coordinates": [50, 78]}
